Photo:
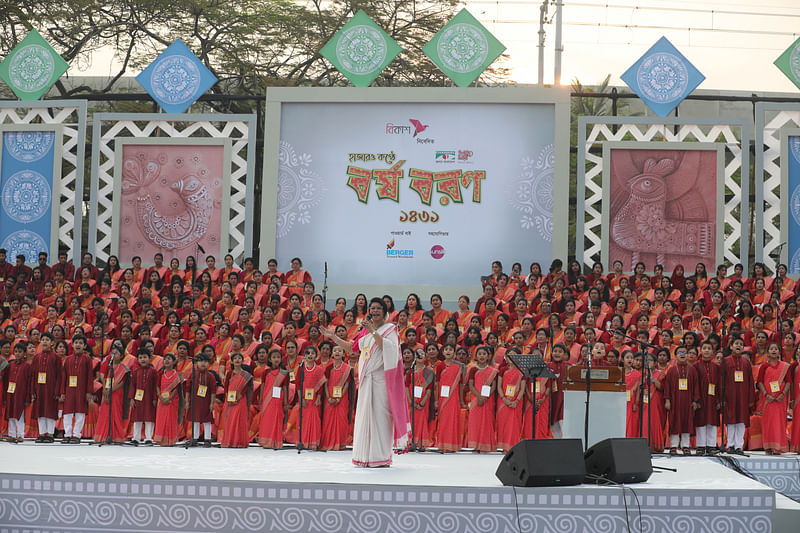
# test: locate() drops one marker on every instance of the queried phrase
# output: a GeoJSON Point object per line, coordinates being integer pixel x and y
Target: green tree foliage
{"type": "Point", "coordinates": [247, 44]}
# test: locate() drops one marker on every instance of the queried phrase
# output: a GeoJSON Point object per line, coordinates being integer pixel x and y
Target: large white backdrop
{"type": "Point", "coordinates": [329, 152]}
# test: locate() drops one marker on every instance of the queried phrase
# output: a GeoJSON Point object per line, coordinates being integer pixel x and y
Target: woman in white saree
{"type": "Point", "coordinates": [382, 419]}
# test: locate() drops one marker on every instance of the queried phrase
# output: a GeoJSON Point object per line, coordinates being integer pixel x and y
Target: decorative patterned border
{"type": "Point", "coordinates": [733, 134]}
{"type": "Point", "coordinates": [783, 475]}
{"type": "Point", "coordinates": [771, 118]}
{"type": "Point", "coordinates": [43, 503]}
{"type": "Point", "coordinates": [71, 116]}
{"type": "Point", "coordinates": [241, 129]}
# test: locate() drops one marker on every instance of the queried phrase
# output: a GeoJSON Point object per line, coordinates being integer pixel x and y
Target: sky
{"type": "Point", "coordinates": [733, 43]}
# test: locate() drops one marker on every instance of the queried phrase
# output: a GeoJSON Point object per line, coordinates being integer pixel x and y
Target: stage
{"type": "Point", "coordinates": [83, 488]}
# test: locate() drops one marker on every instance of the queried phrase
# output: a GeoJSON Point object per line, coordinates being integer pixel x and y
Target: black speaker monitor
{"type": "Point", "coordinates": [619, 460]}
{"type": "Point", "coordinates": [543, 463]}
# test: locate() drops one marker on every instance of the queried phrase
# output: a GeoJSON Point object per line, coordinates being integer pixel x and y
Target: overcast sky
{"type": "Point", "coordinates": [733, 43]}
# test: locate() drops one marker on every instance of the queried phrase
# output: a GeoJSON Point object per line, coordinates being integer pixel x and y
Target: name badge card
{"type": "Point", "coordinates": [291, 375]}
{"type": "Point", "coordinates": [337, 392]}
{"type": "Point", "coordinates": [683, 384]}
{"type": "Point", "coordinates": [308, 394]}
{"type": "Point", "coordinates": [486, 390]}
{"type": "Point", "coordinates": [510, 390]}
{"type": "Point", "coordinates": [365, 354]}
{"type": "Point", "coordinates": [417, 391]}
{"type": "Point", "coordinates": [139, 396]}
{"type": "Point", "coordinates": [73, 381]}
{"type": "Point", "coordinates": [11, 387]}
{"type": "Point", "coordinates": [555, 386]}
{"type": "Point", "coordinates": [444, 392]}
{"type": "Point", "coordinates": [774, 386]}
{"type": "Point", "coordinates": [646, 397]}
{"type": "Point", "coordinates": [738, 376]}
{"type": "Point", "coordinates": [41, 379]}
{"type": "Point", "coordinates": [164, 395]}
{"type": "Point", "coordinates": [628, 395]}
{"type": "Point", "coordinates": [231, 396]}
{"type": "Point", "coordinates": [712, 389]}
{"type": "Point", "coordinates": [202, 390]}
{"type": "Point", "coordinates": [538, 387]}
{"type": "Point", "coordinates": [108, 383]}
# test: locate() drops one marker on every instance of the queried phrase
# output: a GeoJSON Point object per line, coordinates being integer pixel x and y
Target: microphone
{"type": "Point", "coordinates": [326, 269]}
{"type": "Point", "coordinates": [200, 248]}
{"type": "Point", "coordinates": [737, 293]}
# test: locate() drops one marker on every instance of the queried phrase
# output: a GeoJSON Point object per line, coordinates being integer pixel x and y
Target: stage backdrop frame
{"type": "Point", "coordinates": [277, 96]}
{"type": "Point", "coordinates": [110, 127]}
{"type": "Point", "coordinates": [70, 117]}
{"type": "Point", "coordinates": [224, 240]}
{"type": "Point", "coordinates": [688, 131]}
{"type": "Point", "coordinates": [771, 205]}
{"type": "Point", "coordinates": [635, 145]}
{"type": "Point", "coordinates": [785, 135]}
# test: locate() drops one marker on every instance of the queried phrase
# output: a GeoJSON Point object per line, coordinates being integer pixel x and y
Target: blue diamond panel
{"type": "Point", "coordinates": [26, 193]}
{"type": "Point", "coordinates": [663, 77]}
{"type": "Point", "coordinates": [176, 79]}
{"type": "Point", "coordinates": [793, 164]}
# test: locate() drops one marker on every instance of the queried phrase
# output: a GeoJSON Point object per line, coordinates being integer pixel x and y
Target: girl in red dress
{"type": "Point", "coordinates": [450, 402]}
{"type": "Point", "coordinates": [421, 386]}
{"type": "Point", "coordinates": [168, 413]}
{"type": "Point", "coordinates": [274, 403]}
{"type": "Point", "coordinates": [310, 382]}
{"type": "Point", "coordinates": [115, 393]}
{"type": "Point", "coordinates": [482, 386]}
{"type": "Point", "coordinates": [509, 408]}
{"type": "Point", "coordinates": [238, 396]}
{"type": "Point", "coordinates": [775, 384]}
{"type": "Point", "coordinates": [339, 393]}
{"type": "Point", "coordinates": [632, 381]}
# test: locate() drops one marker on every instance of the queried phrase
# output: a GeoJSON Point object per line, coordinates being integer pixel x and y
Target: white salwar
{"type": "Point", "coordinates": [373, 432]}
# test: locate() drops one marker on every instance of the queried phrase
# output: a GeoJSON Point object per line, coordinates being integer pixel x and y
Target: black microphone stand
{"type": "Point", "coordinates": [724, 340]}
{"type": "Point", "coordinates": [192, 442]}
{"type": "Point", "coordinates": [588, 392]}
{"type": "Point", "coordinates": [300, 400]}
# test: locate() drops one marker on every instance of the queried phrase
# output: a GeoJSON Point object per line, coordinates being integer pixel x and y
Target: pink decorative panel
{"type": "Point", "coordinates": [171, 200]}
{"type": "Point", "coordinates": [663, 207]}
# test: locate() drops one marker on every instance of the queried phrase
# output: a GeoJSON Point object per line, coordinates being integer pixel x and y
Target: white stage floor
{"type": "Point", "coordinates": [84, 488]}
{"type": "Point", "coordinates": [254, 464]}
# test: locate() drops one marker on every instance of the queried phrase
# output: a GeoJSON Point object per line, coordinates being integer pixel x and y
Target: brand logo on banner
{"type": "Point", "coordinates": [360, 50]}
{"type": "Point", "coordinates": [789, 62]}
{"type": "Point", "coordinates": [390, 245]}
{"type": "Point", "coordinates": [447, 156]}
{"type": "Point", "coordinates": [32, 67]}
{"type": "Point", "coordinates": [465, 155]}
{"type": "Point", "coordinates": [662, 77]}
{"type": "Point", "coordinates": [404, 254]}
{"type": "Point", "coordinates": [463, 48]}
{"type": "Point", "coordinates": [437, 251]}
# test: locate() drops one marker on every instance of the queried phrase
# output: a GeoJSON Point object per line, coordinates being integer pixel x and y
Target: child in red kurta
{"type": "Point", "coordinates": [200, 399]}
{"type": "Point", "coordinates": [510, 392]}
{"type": "Point", "coordinates": [339, 396]}
{"type": "Point", "coordinates": [681, 400]}
{"type": "Point", "coordinates": [450, 401]}
{"type": "Point", "coordinates": [774, 385]}
{"type": "Point", "coordinates": [274, 403]}
{"type": "Point", "coordinates": [144, 397]}
{"type": "Point", "coordinates": [739, 394]}
{"type": "Point", "coordinates": [706, 418]}
{"type": "Point", "coordinates": [558, 365]}
{"type": "Point", "coordinates": [76, 390]}
{"type": "Point", "coordinates": [238, 396]}
{"type": "Point", "coordinates": [481, 423]}
{"type": "Point", "coordinates": [632, 383]}
{"type": "Point", "coordinates": [168, 414]}
{"type": "Point", "coordinates": [310, 382]}
{"type": "Point", "coordinates": [18, 393]}
{"type": "Point", "coordinates": [48, 372]}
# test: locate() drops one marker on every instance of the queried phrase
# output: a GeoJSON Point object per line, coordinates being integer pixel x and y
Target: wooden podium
{"type": "Point", "coordinates": [607, 403]}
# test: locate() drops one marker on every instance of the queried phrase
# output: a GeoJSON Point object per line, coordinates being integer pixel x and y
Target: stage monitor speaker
{"type": "Point", "coordinates": [543, 463]}
{"type": "Point", "coordinates": [619, 460]}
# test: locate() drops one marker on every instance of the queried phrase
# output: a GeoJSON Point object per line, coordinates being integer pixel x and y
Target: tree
{"type": "Point", "coordinates": [247, 44]}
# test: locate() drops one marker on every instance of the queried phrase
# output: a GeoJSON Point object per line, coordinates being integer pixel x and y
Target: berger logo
{"type": "Point", "coordinates": [393, 253]}
{"type": "Point", "coordinates": [445, 157]}
{"type": "Point", "coordinates": [437, 251]}
{"type": "Point", "coordinates": [419, 127]}
{"type": "Point", "coordinates": [465, 155]}
{"type": "Point", "coordinates": [390, 245]}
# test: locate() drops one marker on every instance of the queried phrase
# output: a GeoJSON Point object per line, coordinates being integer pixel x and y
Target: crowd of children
{"type": "Point", "coordinates": [162, 353]}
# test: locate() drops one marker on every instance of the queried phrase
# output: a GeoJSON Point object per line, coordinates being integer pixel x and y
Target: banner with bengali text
{"type": "Point", "coordinates": [415, 194]}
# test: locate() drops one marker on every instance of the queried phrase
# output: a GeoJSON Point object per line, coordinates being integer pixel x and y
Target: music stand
{"type": "Point", "coordinates": [532, 366]}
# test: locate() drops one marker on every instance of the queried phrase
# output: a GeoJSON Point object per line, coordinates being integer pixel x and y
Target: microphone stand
{"type": "Point", "coordinates": [325, 288]}
{"type": "Point", "coordinates": [192, 442]}
{"type": "Point", "coordinates": [588, 392]}
{"type": "Point", "coordinates": [300, 400]}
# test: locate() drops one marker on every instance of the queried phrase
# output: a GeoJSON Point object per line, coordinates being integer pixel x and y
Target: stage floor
{"type": "Point", "coordinates": [117, 489]}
